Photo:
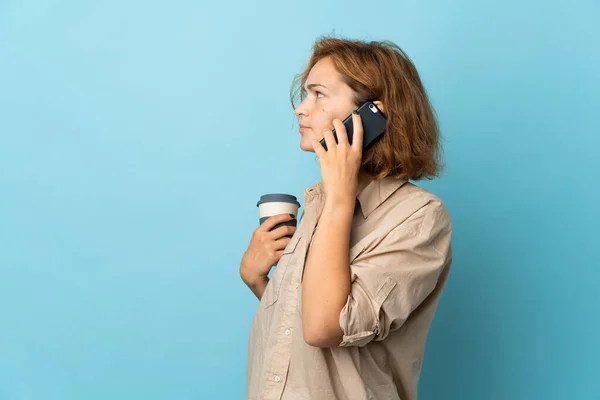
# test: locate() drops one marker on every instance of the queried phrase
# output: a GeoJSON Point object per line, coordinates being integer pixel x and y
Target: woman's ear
{"type": "Point", "coordinates": [379, 105]}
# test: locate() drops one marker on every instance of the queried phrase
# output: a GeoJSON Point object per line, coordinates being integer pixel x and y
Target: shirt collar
{"type": "Point", "coordinates": [376, 192]}
{"type": "Point", "coordinates": [371, 193]}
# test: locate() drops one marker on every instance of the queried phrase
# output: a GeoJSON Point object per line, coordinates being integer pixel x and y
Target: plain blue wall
{"type": "Point", "coordinates": [136, 138]}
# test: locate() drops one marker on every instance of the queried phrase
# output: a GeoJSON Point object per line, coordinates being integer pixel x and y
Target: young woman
{"type": "Point", "coordinates": [346, 312]}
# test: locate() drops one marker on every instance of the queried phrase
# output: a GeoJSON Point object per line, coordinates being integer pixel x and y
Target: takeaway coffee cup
{"type": "Point", "coordinates": [278, 203]}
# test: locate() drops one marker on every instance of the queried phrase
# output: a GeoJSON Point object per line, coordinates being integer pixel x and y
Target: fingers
{"type": "Point", "coordinates": [271, 222]}
{"type": "Point", "coordinates": [281, 232]}
{"type": "Point", "coordinates": [340, 138]}
{"type": "Point", "coordinates": [329, 139]}
{"type": "Point", "coordinates": [318, 148]}
{"type": "Point", "coordinates": [340, 132]}
{"type": "Point", "coordinates": [357, 131]}
{"type": "Point", "coordinates": [281, 244]}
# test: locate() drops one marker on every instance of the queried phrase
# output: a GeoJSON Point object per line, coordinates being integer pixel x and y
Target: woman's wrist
{"type": "Point", "coordinates": [249, 279]}
{"type": "Point", "coordinates": [258, 285]}
{"type": "Point", "coordinates": [342, 206]}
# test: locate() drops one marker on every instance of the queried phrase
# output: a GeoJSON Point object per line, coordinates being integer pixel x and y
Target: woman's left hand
{"type": "Point", "coordinates": [340, 163]}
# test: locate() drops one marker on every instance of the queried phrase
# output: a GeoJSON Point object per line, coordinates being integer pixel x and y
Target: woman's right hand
{"type": "Point", "coordinates": [265, 249]}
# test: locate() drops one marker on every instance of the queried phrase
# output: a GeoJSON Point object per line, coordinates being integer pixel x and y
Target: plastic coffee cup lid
{"type": "Point", "coordinates": [277, 197]}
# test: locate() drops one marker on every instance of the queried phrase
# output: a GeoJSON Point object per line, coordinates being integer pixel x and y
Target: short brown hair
{"type": "Point", "coordinates": [410, 147]}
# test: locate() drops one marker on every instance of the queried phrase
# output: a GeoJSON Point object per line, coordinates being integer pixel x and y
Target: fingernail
{"type": "Point", "coordinates": [355, 112]}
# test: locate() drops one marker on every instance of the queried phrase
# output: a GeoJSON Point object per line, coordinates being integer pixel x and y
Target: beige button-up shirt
{"type": "Point", "coordinates": [400, 256]}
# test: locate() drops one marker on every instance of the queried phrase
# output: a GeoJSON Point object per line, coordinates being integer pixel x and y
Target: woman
{"type": "Point", "coordinates": [346, 312]}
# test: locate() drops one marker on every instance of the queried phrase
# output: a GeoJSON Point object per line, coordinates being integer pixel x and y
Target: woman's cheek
{"type": "Point", "coordinates": [327, 119]}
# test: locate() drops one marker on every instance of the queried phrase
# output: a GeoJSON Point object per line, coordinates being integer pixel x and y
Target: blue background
{"type": "Point", "coordinates": [136, 138]}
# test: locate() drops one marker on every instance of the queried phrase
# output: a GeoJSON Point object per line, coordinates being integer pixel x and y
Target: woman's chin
{"type": "Point", "coordinates": [306, 146]}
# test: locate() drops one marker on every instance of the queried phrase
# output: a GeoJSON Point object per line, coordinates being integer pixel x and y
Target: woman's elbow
{"type": "Point", "coordinates": [321, 336]}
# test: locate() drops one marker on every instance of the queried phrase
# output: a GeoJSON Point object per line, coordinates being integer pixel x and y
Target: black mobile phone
{"type": "Point", "coordinates": [373, 121]}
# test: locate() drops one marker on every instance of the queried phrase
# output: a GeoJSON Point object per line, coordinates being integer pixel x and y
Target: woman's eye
{"type": "Point", "coordinates": [319, 94]}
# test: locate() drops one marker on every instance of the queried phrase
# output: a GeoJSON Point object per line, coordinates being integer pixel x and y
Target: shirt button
{"type": "Point", "coordinates": [287, 332]}
{"type": "Point", "coordinates": [277, 378]}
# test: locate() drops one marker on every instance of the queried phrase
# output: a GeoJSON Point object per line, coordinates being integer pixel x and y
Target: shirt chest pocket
{"type": "Point", "coordinates": [291, 255]}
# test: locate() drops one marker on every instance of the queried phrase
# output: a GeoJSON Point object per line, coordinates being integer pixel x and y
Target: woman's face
{"type": "Point", "coordinates": [327, 98]}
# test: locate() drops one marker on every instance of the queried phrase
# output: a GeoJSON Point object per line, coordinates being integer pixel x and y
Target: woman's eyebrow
{"type": "Point", "coordinates": [313, 85]}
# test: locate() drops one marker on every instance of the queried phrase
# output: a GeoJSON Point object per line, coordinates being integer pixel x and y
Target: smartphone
{"type": "Point", "coordinates": [373, 121]}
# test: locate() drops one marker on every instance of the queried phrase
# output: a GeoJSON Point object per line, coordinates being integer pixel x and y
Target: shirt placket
{"type": "Point", "coordinates": [314, 208]}
{"type": "Point", "coordinates": [280, 361]}
{"type": "Point", "coordinates": [277, 374]}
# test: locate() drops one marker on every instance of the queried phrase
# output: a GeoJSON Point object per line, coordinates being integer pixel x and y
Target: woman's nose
{"type": "Point", "coordinates": [300, 110]}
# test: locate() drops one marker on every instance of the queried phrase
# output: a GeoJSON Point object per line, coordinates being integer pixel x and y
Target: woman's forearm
{"type": "Point", "coordinates": [326, 282]}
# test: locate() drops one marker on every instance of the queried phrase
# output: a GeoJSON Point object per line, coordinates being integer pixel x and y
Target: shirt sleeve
{"type": "Point", "coordinates": [395, 274]}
